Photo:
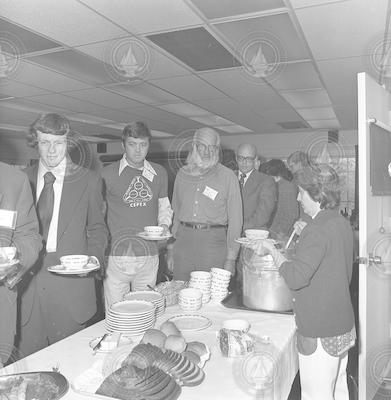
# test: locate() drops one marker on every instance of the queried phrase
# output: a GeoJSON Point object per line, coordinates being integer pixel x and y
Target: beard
{"type": "Point", "coordinates": [195, 165]}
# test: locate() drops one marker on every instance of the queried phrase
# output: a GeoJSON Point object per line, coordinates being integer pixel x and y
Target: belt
{"type": "Point", "coordinates": [200, 225]}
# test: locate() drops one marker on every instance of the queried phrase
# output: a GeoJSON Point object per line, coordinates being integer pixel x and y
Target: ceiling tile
{"type": "Point", "coordinates": [306, 98]}
{"type": "Point", "coordinates": [69, 22]}
{"type": "Point", "coordinates": [29, 41]}
{"type": "Point", "coordinates": [146, 16]}
{"type": "Point", "coordinates": [280, 115]}
{"type": "Point", "coordinates": [17, 89]}
{"type": "Point", "coordinates": [233, 129]}
{"type": "Point", "coordinates": [197, 48]}
{"type": "Point", "coordinates": [188, 88]}
{"type": "Point", "coordinates": [311, 114]}
{"type": "Point", "coordinates": [325, 124]}
{"type": "Point", "coordinates": [31, 106]}
{"type": "Point", "coordinates": [212, 120]}
{"type": "Point", "coordinates": [75, 64]}
{"type": "Point", "coordinates": [184, 109]}
{"type": "Point", "coordinates": [227, 8]}
{"type": "Point", "coordinates": [144, 93]}
{"type": "Point", "coordinates": [296, 76]}
{"type": "Point", "coordinates": [105, 98]}
{"type": "Point", "coordinates": [276, 33]}
{"type": "Point", "coordinates": [346, 28]}
{"type": "Point", "coordinates": [46, 79]}
{"type": "Point", "coordinates": [234, 83]}
{"type": "Point", "coordinates": [65, 102]}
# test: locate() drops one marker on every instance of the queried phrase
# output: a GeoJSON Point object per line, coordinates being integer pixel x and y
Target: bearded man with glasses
{"type": "Point", "coordinates": [207, 209]}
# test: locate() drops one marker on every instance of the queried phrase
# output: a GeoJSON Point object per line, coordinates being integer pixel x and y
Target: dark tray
{"type": "Point", "coordinates": [235, 300]}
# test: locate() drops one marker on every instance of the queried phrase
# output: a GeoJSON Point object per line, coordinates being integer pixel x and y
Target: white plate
{"type": "Point", "coordinates": [151, 237]}
{"type": "Point", "coordinates": [132, 307]}
{"type": "Point", "coordinates": [147, 295]}
{"type": "Point", "coordinates": [60, 269]}
{"type": "Point", "coordinates": [188, 322]}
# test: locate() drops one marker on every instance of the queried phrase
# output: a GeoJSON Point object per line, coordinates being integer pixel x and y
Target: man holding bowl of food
{"type": "Point", "coordinates": [139, 214]}
{"type": "Point", "coordinates": [20, 243]}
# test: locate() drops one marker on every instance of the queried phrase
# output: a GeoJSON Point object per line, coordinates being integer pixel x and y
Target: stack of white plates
{"type": "Point", "coordinates": [201, 280]}
{"type": "Point", "coordinates": [220, 282]}
{"type": "Point", "coordinates": [131, 317]}
{"type": "Point", "coordinates": [149, 295]}
{"type": "Point", "coordinates": [190, 299]}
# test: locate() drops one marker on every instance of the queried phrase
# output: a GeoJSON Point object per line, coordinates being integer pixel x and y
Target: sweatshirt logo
{"type": "Point", "coordinates": [138, 193]}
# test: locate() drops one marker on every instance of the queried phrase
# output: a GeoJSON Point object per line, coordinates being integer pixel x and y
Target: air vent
{"type": "Point", "coordinates": [197, 48]}
{"type": "Point", "coordinates": [293, 125]}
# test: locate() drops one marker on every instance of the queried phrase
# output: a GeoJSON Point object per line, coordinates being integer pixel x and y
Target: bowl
{"type": "Point", "coordinates": [153, 230]}
{"type": "Point", "coordinates": [76, 261]}
{"type": "Point", "coordinates": [7, 254]}
{"type": "Point", "coordinates": [256, 234]}
{"type": "Point", "coordinates": [236, 325]}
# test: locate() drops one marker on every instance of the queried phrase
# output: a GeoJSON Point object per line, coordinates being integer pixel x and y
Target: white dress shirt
{"type": "Point", "coordinates": [246, 175]}
{"type": "Point", "coordinates": [59, 173]}
{"type": "Point", "coordinates": [165, 211]}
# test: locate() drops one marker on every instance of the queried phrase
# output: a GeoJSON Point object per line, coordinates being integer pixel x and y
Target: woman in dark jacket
{"type": "Point", "coordinates": [319, 275]}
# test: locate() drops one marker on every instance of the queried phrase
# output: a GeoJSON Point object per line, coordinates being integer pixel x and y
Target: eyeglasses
{"type": "Point", "coordinates": [245, 159]}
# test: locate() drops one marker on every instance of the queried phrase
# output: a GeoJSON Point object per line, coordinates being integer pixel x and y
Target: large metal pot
{"type": "Point", "coordinates": [263, 287]}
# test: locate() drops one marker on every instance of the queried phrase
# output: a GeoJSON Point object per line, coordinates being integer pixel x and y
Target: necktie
{"type": "Point", "coordinates": [45, 204]}
{"type": "Point", "coordinates": [241, 180]}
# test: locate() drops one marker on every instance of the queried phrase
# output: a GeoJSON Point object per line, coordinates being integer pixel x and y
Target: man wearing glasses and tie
{"type": "Point", "coordinates": [259, 193]}
{"type": "Point", "coordinates": [70, 213]}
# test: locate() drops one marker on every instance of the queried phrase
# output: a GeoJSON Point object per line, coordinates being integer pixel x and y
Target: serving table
{"type": "Point", "coordinates": [226, 378]}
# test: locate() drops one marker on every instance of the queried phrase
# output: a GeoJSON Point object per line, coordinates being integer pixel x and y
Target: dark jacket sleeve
{"type": "Point", "coordinates": [26, 235]}
{"type": "Point", "coordinates": [96, 227]}
{"type": "Point", "coordinates": [267, 201]}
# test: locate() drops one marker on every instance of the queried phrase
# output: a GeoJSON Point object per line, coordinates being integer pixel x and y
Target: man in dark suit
{"type": "Point", "coordinates": [259, 191]}
{"type": "Point", "coordinates": [18, 228]}
{"type": "Point", "coordinates": [70, 212]}
{"type": "Point", "coordinates": [259, 196]}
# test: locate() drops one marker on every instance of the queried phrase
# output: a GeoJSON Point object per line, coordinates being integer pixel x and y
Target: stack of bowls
{"type": "Point", "coordinates": [201, 280]}
{"type": "Point", "coordinates": [220, 282]}
{"type": "Point", "coordinates": [190, 299]}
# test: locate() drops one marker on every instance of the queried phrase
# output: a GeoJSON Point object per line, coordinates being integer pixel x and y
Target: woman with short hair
{"type": "Point", "coordinates": [319, 275]}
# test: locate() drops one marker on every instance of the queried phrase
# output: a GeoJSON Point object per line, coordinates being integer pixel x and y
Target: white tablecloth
{"type": "Point", "coordinates": [226, 378]}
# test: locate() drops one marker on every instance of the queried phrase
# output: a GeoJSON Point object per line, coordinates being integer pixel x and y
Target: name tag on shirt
{"type": "Point", "coordinates": [8, 219]}
{"type": "Point", "coordinates": [148, 175]}
{"type": "Point", "coordinates": [209, 192]}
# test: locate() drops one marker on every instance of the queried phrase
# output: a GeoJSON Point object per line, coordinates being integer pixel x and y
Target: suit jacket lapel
{"type": "Point", "coordinates": [32, 173]}
{"type": "Point", "coordinates": [72, 191]}
{"type": "Point", "coordinates": [248, 186]}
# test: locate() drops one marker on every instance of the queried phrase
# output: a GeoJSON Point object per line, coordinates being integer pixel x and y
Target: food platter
{"type": "Point", "coordinates": [190, 322]}
{"type": "Point", "coordinates": [43, 385]}
{"type": "Point", "coordinates": [61, 270]}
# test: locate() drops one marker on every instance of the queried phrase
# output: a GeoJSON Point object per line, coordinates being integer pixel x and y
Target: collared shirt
{"type": "Point", "coordinates": [246, 176]}
{"type": "Point", "coordinates": [59, 173]}
{"type": "Point", "coordinates": [165, 210]}
{"type": "Point", "coordinates": [212, 198]}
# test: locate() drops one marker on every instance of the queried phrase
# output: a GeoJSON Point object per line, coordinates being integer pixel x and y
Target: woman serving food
{"type": "Point", "coordinates": [319, 275]}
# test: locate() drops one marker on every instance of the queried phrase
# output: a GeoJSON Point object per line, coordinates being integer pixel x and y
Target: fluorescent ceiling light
{"type": "Point", "coordinates": [233, 128]}
{"type": "Point", "coordinates": [160, 133]}
{"type": "Point", "coordinates": [324, 124]}
{"type": "Point", "coordinates": [311, 114]}
{"type": "Point", "coordinates": [184, 109]}
{"type": "Point", "coordinates": [212, 120]}
{"type": "Point", "coordinates": [16, 128]}
{"type": "Point", "coordinates": [119, 126]}
{"type": "Point", "coordinates": [306, 98]}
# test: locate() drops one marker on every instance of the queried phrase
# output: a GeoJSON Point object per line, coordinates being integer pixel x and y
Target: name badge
{"type": "Point", "coordinates": [8, 219]}
{"type": "Point", "coordinates": [209, 192]}
{"type": "Point", "coordinates": [148, 175]}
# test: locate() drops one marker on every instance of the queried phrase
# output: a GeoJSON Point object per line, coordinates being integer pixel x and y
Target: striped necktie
{"type": "Point", "coordinates": [241, 180]}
